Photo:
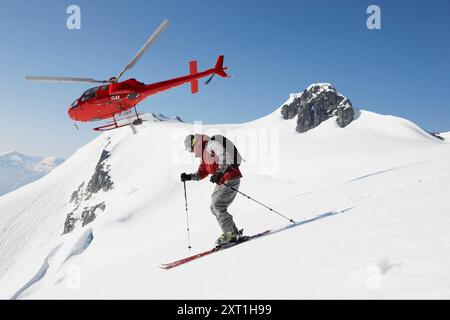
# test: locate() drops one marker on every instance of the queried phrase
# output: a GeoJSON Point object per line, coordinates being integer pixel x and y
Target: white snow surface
{"type": "Point", "coordinates": [387, 180]}
{"type": "Point", "coordinates": [445, 135]}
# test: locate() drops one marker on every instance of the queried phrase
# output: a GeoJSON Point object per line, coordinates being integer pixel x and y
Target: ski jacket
{"type": "Point", "coordinates": [214, 158]}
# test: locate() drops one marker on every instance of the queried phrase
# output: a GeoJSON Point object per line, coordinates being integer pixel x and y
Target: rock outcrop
{"type": "Point", "coordinates": [318, 103]}
{"type": "Point", "coordinates": [86, 207]}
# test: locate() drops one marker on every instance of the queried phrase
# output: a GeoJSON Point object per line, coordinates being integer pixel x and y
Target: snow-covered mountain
{"type": "Point", "coordinates": [161, 117]}
{"type": "Point", "coordinates": [18, 169]}
{"type": "Point", "coordinates": [99, 224]}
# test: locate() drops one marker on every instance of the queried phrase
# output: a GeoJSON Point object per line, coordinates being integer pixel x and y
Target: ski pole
{"type": "Point", "coordinates": [267, 207]}
{"type": "Point", "coordinates": [187, 216]}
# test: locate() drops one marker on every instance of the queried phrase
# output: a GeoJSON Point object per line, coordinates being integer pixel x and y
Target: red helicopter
{"type": "Point", "coordinates": [115, 99]}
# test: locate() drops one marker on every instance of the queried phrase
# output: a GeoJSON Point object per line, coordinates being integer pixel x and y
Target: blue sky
{"type": "Point", "coordinates": [272, 48]}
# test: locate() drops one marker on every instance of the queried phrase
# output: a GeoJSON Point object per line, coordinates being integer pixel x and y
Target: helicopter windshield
{"type": "Point", "coordinates": [74, 104]}
{"type": "Point", "coordinates": [89, 94]}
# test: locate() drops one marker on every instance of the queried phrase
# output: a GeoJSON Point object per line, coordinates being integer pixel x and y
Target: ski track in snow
{"type": "Point", "coordinates": [387, 170]}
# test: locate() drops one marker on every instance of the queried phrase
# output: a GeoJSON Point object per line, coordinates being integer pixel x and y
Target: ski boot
{"type": "Point", "coordinates": [229, 238]}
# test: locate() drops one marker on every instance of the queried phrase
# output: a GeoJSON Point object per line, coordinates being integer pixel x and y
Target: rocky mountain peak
{"type": "Point", "coordinates": [317, 103]}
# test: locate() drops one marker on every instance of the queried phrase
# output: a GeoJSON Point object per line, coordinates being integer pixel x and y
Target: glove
{"type": "Point", "coordinates": [215, 178]}
{"type": "Point", "coordinates": [185, 177]}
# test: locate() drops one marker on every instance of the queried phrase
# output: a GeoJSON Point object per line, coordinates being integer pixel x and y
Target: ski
{"type": "Point", "coordinates": [177, 263]}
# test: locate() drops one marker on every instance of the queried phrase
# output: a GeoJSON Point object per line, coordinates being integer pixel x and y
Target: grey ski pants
{"type": "Point", "coordinates": [221, 199]}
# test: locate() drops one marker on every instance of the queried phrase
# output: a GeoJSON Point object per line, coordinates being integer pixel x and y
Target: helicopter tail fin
{"type": "Point", "coordinates": [219, 68]}
{"type": "Point", "coordinates": [193, 71]}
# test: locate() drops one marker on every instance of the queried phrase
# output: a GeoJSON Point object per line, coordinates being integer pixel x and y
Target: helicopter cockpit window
{"type": "Point", "coordinates": [89, 94]}
{"type": "Point", "coordinates": [74, 104]}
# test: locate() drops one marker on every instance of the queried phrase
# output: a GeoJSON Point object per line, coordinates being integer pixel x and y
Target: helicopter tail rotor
{"type": "Point", "coordinates": [219, 68]}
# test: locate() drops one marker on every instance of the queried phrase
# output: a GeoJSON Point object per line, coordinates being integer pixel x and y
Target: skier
{"type": "Point", "coordinates": [220, 158]}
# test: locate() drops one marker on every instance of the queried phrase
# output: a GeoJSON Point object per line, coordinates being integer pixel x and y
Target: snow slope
{"type": "Point", "coordinates": [386, 179]}
{"type": "Point", "coordinates": [18, 169]}
{"type": "Point", "coordinates": [445, 135]}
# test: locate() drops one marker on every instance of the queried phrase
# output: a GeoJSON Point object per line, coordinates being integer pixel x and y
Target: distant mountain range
{"type": "Point", "coordinates": [18, 169]}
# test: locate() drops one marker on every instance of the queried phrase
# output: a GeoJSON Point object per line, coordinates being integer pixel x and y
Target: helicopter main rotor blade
{"type": "Point", "coordinates": [63, 79]}
{"type": "Point", "coordinates": [163, 26]}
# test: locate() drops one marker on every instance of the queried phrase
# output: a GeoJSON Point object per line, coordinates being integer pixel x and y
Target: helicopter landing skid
{"type": "Point", "coordinates": [122, 122]}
